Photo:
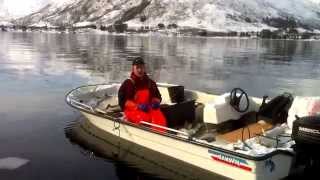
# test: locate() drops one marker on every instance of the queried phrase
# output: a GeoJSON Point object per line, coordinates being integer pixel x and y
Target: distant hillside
{"type": "Point", "coordinates": [213, 15]}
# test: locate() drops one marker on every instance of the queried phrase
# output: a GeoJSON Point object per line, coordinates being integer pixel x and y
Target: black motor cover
{"type": "Point", "coordinates": [306, 133]}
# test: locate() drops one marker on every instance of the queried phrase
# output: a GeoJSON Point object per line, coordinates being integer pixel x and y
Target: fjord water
{"type": "Point", "coordinates": [38, 69]}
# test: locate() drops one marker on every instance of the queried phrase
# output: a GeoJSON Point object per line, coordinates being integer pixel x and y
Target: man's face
{"type": "Point", "coordinates": [138, 70]}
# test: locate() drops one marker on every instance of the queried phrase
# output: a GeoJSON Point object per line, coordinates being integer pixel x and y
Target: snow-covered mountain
{"type": "Point", "coordinates": [243, 15]}
{"type": "Point", "coordinates": [215, 15]}
{"type": "Point", "coordinates": [78, 11]}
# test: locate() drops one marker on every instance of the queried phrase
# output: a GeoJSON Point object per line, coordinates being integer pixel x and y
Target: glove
{"type": "Point", "coordinates": [155, 105]}
{"type": "Point", "coordinates": [143, 107]}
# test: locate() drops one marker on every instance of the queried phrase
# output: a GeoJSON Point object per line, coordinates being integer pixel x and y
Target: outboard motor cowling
{"type": "Point", "coordinates": [306, 131]}
{"type": "Point", "coordinates": [306, 134]}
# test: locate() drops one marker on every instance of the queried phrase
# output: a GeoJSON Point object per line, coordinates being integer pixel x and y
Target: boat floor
{"type": "Point", "coordinates": [250, 131]}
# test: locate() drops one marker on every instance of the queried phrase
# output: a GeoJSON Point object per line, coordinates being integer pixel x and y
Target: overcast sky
{"type": "Point", "coordinates": [24, 7]}
{"type": "Point", "coordinates": [21, 7]}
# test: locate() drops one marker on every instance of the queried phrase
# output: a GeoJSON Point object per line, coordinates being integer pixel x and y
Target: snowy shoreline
{"type": "Point", "coordinates": [146, 34]}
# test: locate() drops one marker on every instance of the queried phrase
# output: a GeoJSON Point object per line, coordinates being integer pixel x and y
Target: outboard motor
{"type": "Point", "coordinates": [306, 133]}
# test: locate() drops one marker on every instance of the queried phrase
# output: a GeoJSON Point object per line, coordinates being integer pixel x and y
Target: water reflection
{"type": "Point", "coordinates": [214, 65]}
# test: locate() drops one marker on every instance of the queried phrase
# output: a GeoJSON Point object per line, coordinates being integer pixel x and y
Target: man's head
{"type": "Point", "coordinates": [138, 67]}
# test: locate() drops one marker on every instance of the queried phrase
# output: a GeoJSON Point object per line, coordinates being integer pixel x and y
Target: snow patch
{"type": "Point", "coordinates": [43, 24]}
{"type": "Point", "coordinates": [83, 24]}
{"type": "Point", "coordinates": [5, 23]}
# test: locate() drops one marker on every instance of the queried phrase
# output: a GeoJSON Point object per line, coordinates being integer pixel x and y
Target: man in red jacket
{"type": "Point", "coordinates": [140, 98]}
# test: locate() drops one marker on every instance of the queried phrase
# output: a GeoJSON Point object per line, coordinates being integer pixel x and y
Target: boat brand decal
{"type": "Point", "coordinates": [269, 164]}
{"type": "Point", "coordinates": [308, 130]}
{"type": "Point", "coordinates": [230, 160]}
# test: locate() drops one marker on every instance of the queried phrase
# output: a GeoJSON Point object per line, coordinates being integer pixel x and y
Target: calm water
{"type": "Point", "coordinates": [37, 69]}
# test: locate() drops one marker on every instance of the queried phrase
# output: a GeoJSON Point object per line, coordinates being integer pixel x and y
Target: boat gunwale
{"type": "Point", "coordinates": [189, 140]}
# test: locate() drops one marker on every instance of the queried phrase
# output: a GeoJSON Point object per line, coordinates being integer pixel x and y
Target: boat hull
{"type": "Point", "coordinates": [212, 160]}
{"type": "Point", "coordinates": [144, 160]}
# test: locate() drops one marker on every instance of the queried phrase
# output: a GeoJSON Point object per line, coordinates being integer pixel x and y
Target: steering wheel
{"type": "Point", "coordinates": [236, 97]}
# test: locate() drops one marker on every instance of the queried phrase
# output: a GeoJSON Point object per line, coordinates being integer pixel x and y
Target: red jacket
{"type": "Point", "coordinates": [130, 86]}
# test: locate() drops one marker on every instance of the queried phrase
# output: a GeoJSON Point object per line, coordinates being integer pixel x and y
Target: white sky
{"type": "Point", "coordinates": [21, 7]}
{"type": "Point", "coordinates": [25, 7]}
{"type": "Point", "coordinates": [315, 1]}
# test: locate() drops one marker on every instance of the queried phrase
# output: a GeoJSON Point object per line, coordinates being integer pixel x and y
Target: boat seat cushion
{"type": "Point", "coordinates": [219, 110]}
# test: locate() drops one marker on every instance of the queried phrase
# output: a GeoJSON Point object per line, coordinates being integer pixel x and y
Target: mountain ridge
{"type": "Point", "coordinates": [214, 15]}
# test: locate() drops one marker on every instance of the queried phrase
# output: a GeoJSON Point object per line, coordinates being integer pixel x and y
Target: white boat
{"type": "Point", "coordinates": [204, 130]}
{"type": "Point", "coordinates": [132, 158]}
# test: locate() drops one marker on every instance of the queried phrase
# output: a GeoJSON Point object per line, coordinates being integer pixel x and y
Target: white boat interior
{"type": "Point", "coordinates": [250, 126]}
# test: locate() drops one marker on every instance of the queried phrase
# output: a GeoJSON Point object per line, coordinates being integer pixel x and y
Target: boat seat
{"type": "Point", "coordinates": [219, 110]}
{"type": "Point", "coordinates": [180, 113]}
{"type": "Point", "coordinates": [177, 109]}
{"type": "Point", "coordinates": [172, 94]}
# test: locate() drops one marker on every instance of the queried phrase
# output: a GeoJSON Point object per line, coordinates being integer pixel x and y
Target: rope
{"type": "Point", "coordinates": [244, 143]}
{"type": "Point", "coordinates": [116, 126]}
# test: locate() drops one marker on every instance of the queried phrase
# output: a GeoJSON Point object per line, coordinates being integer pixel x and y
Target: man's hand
{"type": "Point", "coordinates": [155, 105]}
{"type": "Point", "coordinates": [143, 107]}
